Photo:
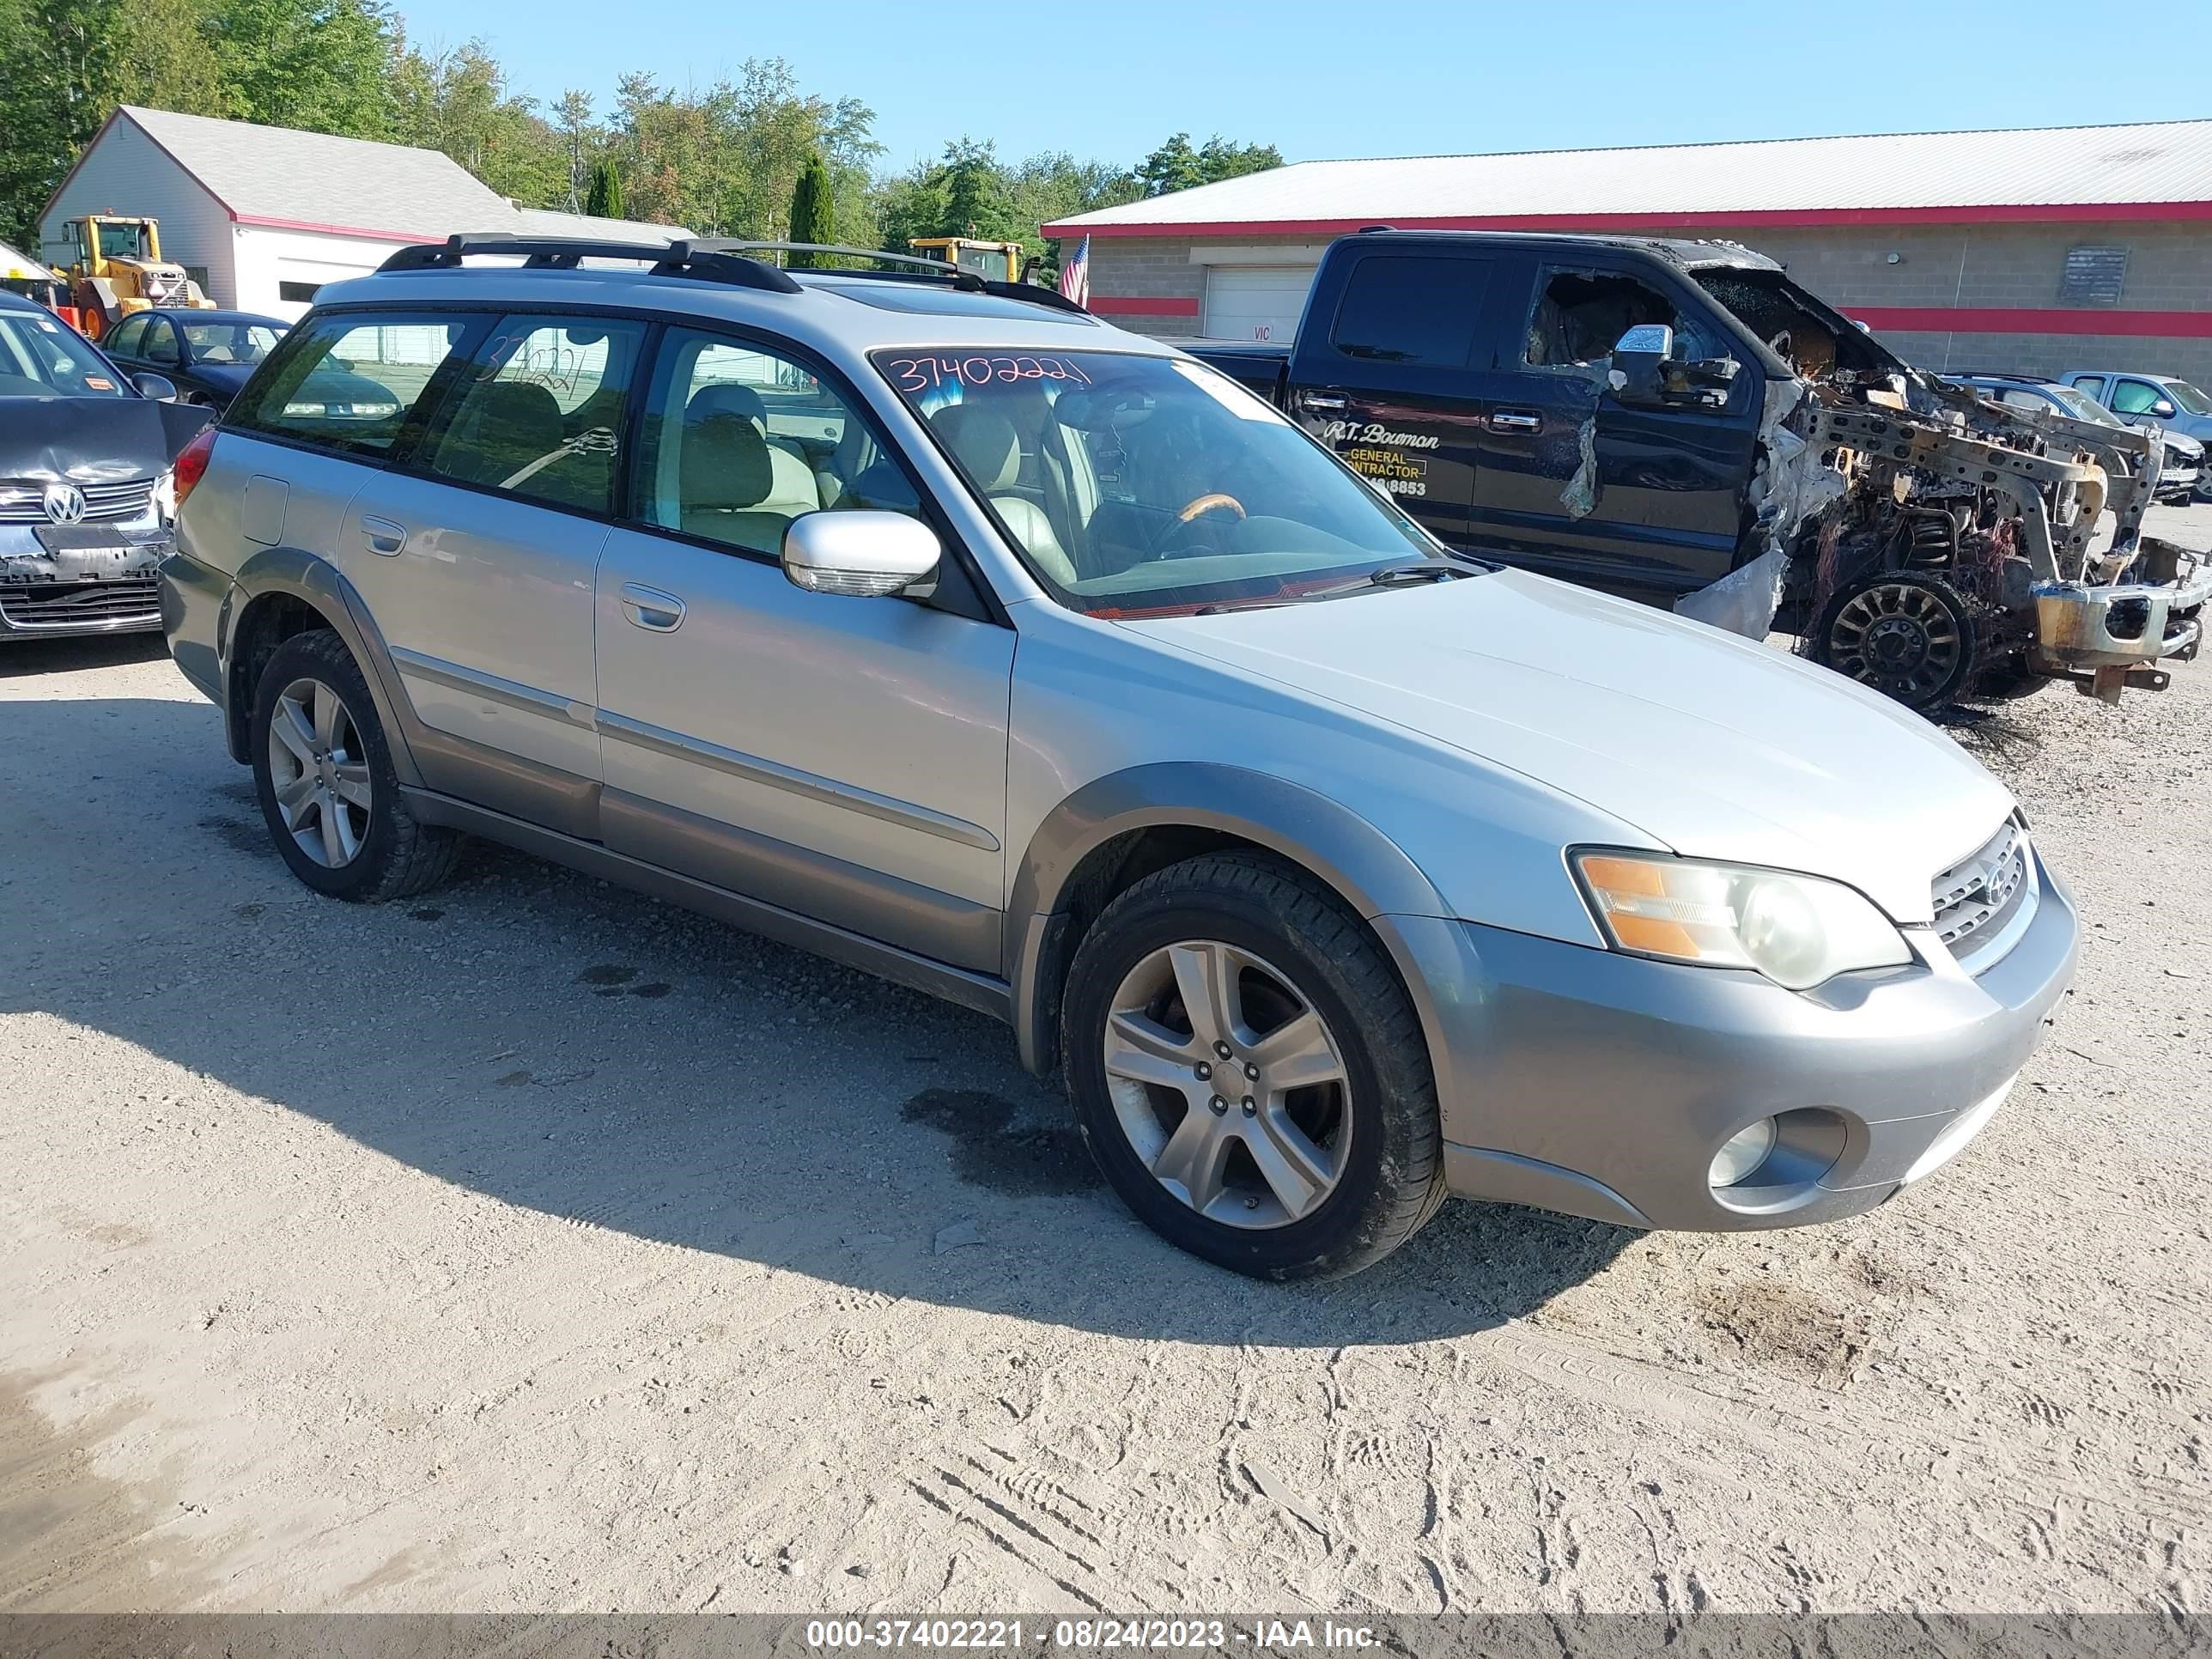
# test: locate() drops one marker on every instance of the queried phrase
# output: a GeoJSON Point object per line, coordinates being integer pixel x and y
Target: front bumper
{"type": "Point", "coordinates": [1598, 1085]}
{"type": "Point", "coordinates": [106, 590]}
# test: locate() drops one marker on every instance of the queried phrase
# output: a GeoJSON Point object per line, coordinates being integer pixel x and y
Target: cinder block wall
{"type": "Point", "coordinates": [1950, 267]}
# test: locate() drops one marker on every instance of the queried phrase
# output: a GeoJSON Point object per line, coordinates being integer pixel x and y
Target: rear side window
{"type": "Point", "coordinates": [346, 381]}
{"type": "Point", "coordinates": [540, 411]}
{"type": "Point", "coordinates": [1408, 309]}
{"type": "Point", "coordinates": [124, 342]}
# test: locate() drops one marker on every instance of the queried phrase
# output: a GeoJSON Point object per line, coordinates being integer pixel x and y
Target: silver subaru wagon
{"type": "Point", "coordinates": [931, 625]}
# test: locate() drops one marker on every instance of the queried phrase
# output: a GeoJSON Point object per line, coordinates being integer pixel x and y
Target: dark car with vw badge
{"type": "Point", "coordinates": [86, 453]}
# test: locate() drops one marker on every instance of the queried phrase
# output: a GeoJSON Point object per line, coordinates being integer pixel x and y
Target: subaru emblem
{"type": "Point", "coordinates": [65, 503]}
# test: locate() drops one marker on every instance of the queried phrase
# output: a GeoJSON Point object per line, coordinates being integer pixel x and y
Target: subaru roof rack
{"type": "Point", "coordinates": [916, 268]}
{"type": "Point", "coordinates": [685, 256]}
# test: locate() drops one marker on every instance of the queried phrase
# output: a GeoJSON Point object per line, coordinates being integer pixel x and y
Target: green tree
{"type": "Point", "coordinates": [572, 118]}
{"type": "Point", "coordinates": [604, 198]}
{"type": "Point", "coordinates": [1218, 159]}
{"type": "Point", "coordinates": [318, 64]}
{"type": "Point", "coordinates": [458, 101]}
{"type": "Point", "coordinates": [813, 209]}
{"type": "Point", "coordinates": [1174, 165]}
{"type": "Point", "coordinates": [60, 74]}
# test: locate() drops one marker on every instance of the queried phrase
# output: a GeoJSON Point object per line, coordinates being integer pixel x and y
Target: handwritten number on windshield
{"type": "Point", "coordinates": [915, 374]}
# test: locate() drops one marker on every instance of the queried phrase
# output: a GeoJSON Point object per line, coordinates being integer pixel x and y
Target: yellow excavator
{"type": "Point", "coordinates": [118, 269]}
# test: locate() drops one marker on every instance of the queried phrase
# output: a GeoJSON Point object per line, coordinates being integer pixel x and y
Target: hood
{"type": "Point", "coordinates": [2189, 448]}
{"type": "Point", "coordinates": [1718, 747]}
{"type": "Point", "coordinates": [92, 439]}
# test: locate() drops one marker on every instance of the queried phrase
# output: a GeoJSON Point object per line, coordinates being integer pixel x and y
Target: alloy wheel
{"type": "Point", "coordinates": [1900, 638]}
{"type": "Point", "coordinates": [1229, 1084]}
{"type": "Point", "coordinates": [320, 773]}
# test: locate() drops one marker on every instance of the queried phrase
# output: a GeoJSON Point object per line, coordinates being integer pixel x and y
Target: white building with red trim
{"type": "Point", "coordinates": [2032, 250]}
{"type": "Point", "coordinates": [262, 217]}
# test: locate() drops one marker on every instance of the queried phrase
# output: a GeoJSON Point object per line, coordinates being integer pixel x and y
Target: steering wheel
{"type": "Point", "coordinates": [1204, 504]}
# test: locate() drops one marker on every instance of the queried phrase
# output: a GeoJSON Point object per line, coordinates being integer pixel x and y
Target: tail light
{"type": "Point", "coordinates": [192, 461]}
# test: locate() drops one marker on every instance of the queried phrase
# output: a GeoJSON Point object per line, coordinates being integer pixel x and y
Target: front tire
{"type": "Point", "coordinates": [325, 777]}
{"type": "Point", "coordinates": [1249, 1072]}
{"type": "Point", "coordinates": [1907, 635]}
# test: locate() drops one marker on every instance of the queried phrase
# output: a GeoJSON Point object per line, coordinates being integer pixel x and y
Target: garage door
{"type": "Point", "coordinates": [1254, 302]}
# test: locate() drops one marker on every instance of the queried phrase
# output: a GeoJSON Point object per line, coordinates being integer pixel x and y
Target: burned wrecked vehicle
{"type": "Point", "coordinates": [85, 481]}
{"type": "Point", "coordinates": [1677, 423]}
{"type": "Point", "coordinates": [1937, 544]}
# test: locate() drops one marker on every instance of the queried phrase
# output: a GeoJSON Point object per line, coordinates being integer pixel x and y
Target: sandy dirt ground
{"type": "Point", "coordinates": [533, 1247]}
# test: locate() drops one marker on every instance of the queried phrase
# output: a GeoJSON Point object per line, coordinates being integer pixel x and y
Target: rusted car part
{"type": "Point", "coordinates": [1956, 558]}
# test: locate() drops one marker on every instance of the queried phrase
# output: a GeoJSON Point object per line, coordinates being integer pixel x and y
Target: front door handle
{"type": "Point", "coordinates": [1516, 420]}
{"type": "Point", "coordinates": [382, 537]}
{"type": "Point", "coordinates": [1320, 400]}
{"type": "Point", "coordinates": [650, 608]}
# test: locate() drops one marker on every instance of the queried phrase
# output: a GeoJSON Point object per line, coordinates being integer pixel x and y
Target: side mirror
{"type": "Point", "coordinates": [1639, 361]}
{"type": "Point", "coordinates": [861, 554]}
{"type": "Point", "coordinates": [2163, 409]}
{"type": "Point", "coordinates": [160, 387]}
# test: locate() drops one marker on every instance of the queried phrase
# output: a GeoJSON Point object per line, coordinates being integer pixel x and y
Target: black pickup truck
{"type": "Point", "coordinates": [1680, 423]}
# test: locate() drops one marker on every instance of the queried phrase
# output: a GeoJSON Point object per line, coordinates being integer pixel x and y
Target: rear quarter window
{"type": "Point", "coordinates": [348, 381]}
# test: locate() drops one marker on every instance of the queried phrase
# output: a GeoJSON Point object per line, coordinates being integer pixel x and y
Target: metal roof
{"type": "Point", "coordinates": [2052, 173]}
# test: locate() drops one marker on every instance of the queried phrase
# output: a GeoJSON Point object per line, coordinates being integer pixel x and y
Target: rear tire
{"type": "Point", "coordinates": [325, 777]}
{"type": "Point", "coordinates": [1287, 1128]}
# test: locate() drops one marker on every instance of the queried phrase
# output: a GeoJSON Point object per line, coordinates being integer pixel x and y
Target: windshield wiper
{"type": "Point", "coordinates": [1392, 575]}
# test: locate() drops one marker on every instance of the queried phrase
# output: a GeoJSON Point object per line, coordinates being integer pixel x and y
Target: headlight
{"type": "Point", "coordinates": [1799, 931]}
{"type": "Point", "coordinates": [165, 496]}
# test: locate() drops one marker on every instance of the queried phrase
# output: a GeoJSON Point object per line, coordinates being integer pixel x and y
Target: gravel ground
{"type": "Point", "coordinates": [534, 1247]}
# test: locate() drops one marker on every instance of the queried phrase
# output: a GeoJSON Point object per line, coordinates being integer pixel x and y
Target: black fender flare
{"type": "Point", "coordinates": [1363, 866]}
{"type": "Point", "coordinates": [295, 573]}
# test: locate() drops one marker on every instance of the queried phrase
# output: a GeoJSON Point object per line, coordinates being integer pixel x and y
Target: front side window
{"type": "Point", "coordinates": [347, 380]}
{"type": "Point", "coordinates": [1580, 316]}
{"type": "Point", "coordinates": [2136, 397]}
{"type": "Point", "coordinates": [540, 411]}
{"type": "Point", "coordinates": [739, 441]}
{"type": "Point", "coordinates": [229, 343]}
{"type": "Point", "coordinates": [42, 356]}
{"type": "Point", "coordinates": [1414, 309]}
{"type": "Point", "coordinates": [1151, 484]}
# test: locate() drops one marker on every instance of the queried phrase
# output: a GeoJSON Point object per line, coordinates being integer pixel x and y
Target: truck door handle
{"type": "Point", "coordinates": [383, 536]}
{"type": "Point", "coordinates": [1320, 400]}
{"type": "Point", "coordinates": [1516, 420]}
{"type": "Point", "coordinates": [650, 608]}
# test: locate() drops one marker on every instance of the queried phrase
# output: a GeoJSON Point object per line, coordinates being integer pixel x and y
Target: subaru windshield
{"type": "Point", "coordinates": [1148, 486]}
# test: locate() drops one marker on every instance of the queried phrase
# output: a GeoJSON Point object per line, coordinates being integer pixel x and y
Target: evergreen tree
{"type": "Point", "coordinates": [603, 199]}
{"type": "Point", "coordinates": [813, 208]}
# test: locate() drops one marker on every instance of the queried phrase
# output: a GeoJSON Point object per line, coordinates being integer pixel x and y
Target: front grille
{"type": "Point", "coordinates": [59, 605]}
{"type": "Point", "coordinates": [1976, 897]}
{"type": "Point", "coordinates": [103, 503]}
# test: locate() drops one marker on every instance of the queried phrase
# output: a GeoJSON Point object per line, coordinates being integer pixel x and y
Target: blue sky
{"type": "Point", "coordinates": [1363, 79]}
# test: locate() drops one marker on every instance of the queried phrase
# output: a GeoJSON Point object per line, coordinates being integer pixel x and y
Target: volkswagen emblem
{"type": "Point", "coordinates": [65, 503]}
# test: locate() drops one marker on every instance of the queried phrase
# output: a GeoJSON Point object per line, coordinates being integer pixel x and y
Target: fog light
{"type": "Point", "coordinates": [1745, 1152]}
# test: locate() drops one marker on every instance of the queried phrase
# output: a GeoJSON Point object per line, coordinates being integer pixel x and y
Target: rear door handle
{"type": "Point", "coordinates": [383, 536]}
{"type": "Point", "coordinates": [1320, 400]}
{"type": "Point", "coordinates": [650, 608]}
{"type": "Point", "coordinates": [1516, 420]}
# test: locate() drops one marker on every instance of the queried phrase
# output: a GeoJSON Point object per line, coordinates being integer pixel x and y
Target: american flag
{"type": "Point", "coordinates": [1075, 274]}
